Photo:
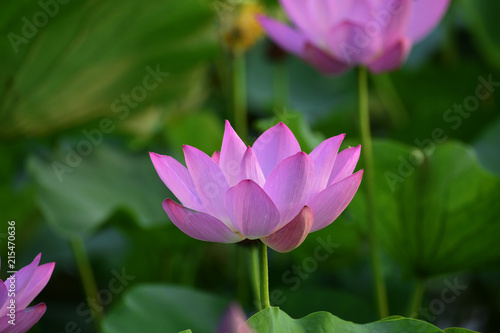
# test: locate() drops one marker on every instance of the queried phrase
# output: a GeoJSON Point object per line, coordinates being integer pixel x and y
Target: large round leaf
{"type": "Point", "coordinates": [273, 320]}
{"type": "Point", "coordinates": [437, 213]}
{"type": "Point", "coordinates": [162, 308]}
{"type": "Point", "coordinates": [76, 198]}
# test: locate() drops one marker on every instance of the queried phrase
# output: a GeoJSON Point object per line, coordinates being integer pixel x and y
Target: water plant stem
{"type": "Point", "coordinates": [369, 184]}
{"type": "Point", "coordinates": [254, 268]}
{"type": "Point", "coordinates": [264, 277]}
{"type": "Point", "coordinates": [416, 300]}
{"type": "Point", "coordinates": [87, 276]}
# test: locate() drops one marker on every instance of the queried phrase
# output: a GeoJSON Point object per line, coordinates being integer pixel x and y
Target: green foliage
{"type": "Point", "coordinates": [161, 308]}
{"type": "Point", "coordinates": [76, 66]}
{"type": "Point", "coordinates": [101, 183]}
{"type": "Point", "coordinates": [273, 320]}
{"type": "Point", "coordinates": [437, 213]}
{"type": "Point", "coordinates": [481, 18]}
{"type": "Point", "coordinates": [437, 204]}
{"type": "Point", "coordinates": [486, 147]}
{"type": "Point", "coordinates": [201, 130]}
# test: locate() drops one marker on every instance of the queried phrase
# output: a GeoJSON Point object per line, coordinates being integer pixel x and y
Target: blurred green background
{"type": "Point", "coordinates": [90, 87]}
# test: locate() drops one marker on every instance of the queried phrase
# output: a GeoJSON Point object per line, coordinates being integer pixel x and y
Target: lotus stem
{"type": "Point", "coordinates": [369, 183]}
{"type": "Point", "coordinates": [88, 279]}
{"type": "Point", "coordinates": [264, 277]}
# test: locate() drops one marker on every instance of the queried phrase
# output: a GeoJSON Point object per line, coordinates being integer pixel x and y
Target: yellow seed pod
{"type": "Point", "coordinates": [242, 30]}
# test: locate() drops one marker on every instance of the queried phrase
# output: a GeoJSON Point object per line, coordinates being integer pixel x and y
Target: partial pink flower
{"type": "Point", "coordinates": [271, 191]}
{"type": "Point", "coordinates": [234, 321]}
{"type": "Point", "coordinates": [333, 35]}
{"type": "Point", "coordinates": [18, 291]}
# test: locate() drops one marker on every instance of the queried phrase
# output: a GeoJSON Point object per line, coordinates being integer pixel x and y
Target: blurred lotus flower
{"type": "Point", "coordinates": [333, 35]}
{"type": "Point", "coordinates": [26, 284]}
{"type": "Point", "coordinates": [234, 321]}
{"type": "Point", "coordinates": [271, 191]}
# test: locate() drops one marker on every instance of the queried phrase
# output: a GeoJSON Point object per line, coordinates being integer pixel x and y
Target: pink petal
{"type": "Point", "coordinates": [24, 275]}
{"type": "Point", "coordinates": [286, 37]}
{"type": "Point", "coordinates": [210, 183]}
{"type": "Point", "coordinates": [178, 180]}
{"type": "Point", "coordinates": [349, 43]}
{"type": "Point", "coordinates": [293, 234]}
{"type": "Point", "coordinates": [3, 299]}
{"type": "Point", "coordinates": [199, 225]}
{"type": "Point", "coordinates": [393, 58]}
{"type": "Point", "coordinates": [321, 14]}
{"type": "Point", "coordinates": [251, 210]}
{"type": "Point", "coordinates": [344, 164]}
{"type": "Point", "coordinates": [298, 11]}
{"type": "Point", "coordinates": [331, 202]}
{"type": "Point", "coordinates": [273, 146]}
{"type": "Point", "coordinates": [324, 156]}
{"type": "Point", "coordinates": [425, 16]}
{"type": "Point", "coordinates": [250, 168]}
{"type": "Point", "coordinates": [390, 19]}
{"type": "Point", "coordinates": [38, 282]}
{"type": "Point", "coordinates": [231, 154]}
{"type": "Point", "coordinates": [356, 11]}
{"type": "Point", "coordinates": [234, 321]}
{"type": "Point", "coordinates": [216, 156]}
{"type": "Point", "coordinates": [323, 62]}
{"type": "Point", "coordinates": [25, 319]}
{"type": "Point", "coordinates": [289, 185]}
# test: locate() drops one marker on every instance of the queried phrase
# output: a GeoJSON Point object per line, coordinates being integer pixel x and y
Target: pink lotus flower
{"type": "Point", "coordinates": [234, 321]}
{"type": "Point", "coordinates": [271, 191]}
{"type": "Point", "coordinates": [17, 292]}
{"type": "Point", "coordinates": [333, 35]}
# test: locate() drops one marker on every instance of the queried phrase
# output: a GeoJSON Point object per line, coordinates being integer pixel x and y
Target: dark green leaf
{"type": "Point", "coordinates": [77, 199]}
{"type": "Point", "coordinates": [488, 147]}
{"type": "Point", "coordinates": [439, 213]}
{"type": "Point", "coordinates": [162, 308]}
{"type": "Point", "coordinates": [482, 21]}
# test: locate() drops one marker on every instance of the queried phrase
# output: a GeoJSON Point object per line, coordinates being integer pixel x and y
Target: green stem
{"type": "Point", "coordinates": [87, 276]}
{"type": "Point", "coordinates": [264, 277]}
{"type": "Point", "coordinates": [364, 119]}
{"type": "Point", "coordinates": [254, 264]}
{"type": "Point", "coordinates": [240, 95]}
{"type": "Point", "coordinates": [416, 300]}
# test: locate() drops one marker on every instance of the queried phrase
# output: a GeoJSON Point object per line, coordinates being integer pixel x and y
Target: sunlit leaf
{"type": "Point", "coordinates": [89, 56]}
{"type": "Point", "coordinates": [273, 320]}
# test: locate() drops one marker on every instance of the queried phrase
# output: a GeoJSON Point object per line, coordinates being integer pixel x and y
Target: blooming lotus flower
{"type": "Point", "coordinates": [29, 282]}
{"type": "Point", "coordinates": [234, 321]}
{"type": "Point", "coordinates": [271, 191]}
{"type": "Point", "coordinates": [333, 35]}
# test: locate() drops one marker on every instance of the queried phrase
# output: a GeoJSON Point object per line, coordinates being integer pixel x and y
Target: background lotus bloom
{"type": "Point", "coordinates": [271, 191]}
{"type": "Point", "coordinates": [333, 35]}
{"type": "Point", "coordinates": [234, 321]}
{"type": "Point", "coordinates": [29, 282]}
